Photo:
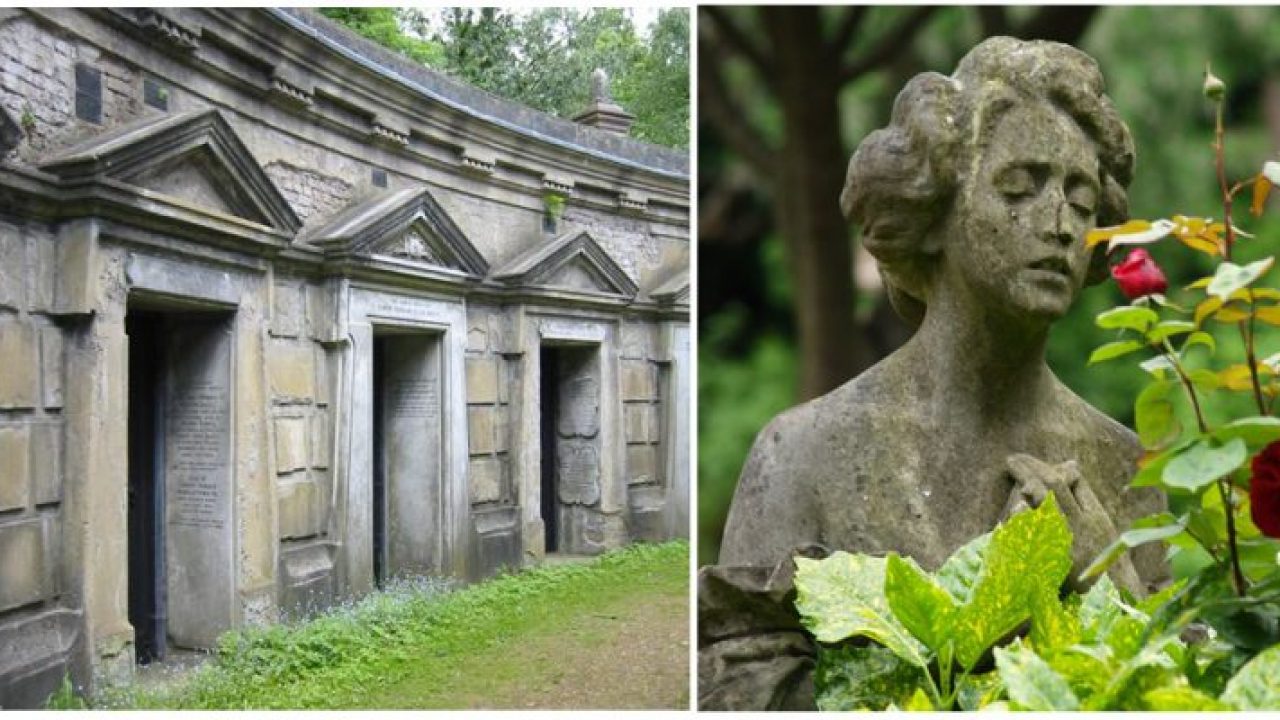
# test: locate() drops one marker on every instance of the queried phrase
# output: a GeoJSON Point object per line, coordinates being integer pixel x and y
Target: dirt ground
{"type": "Point", "coordinates": [631, 652]}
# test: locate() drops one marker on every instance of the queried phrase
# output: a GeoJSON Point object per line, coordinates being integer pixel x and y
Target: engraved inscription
{"type": "Point", "coordinates": [580, 414]}
{"type": "Point", "coordinates": [197, 461]}
{"type": "Point", "coordinates": [415, 398]}
{"type": "Point", "coordinates": [578, 466]}
{"type": "Point", "coordinates": [570, 330]}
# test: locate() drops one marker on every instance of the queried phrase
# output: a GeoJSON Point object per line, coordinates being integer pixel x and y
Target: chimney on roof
{"type": "Point", "coordinates": [603, 112]}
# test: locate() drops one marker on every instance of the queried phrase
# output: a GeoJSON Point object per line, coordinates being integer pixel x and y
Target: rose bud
{"type": "Point", "coordinates": [1139, 275]}
{"type": "Point", "coordinates": [1213, 88]}
{"type": "Point", "coordinates": [1264, 490]}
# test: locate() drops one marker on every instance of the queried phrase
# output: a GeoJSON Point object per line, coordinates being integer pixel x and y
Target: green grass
{"type": "Point", "coordinates": [417, 642]}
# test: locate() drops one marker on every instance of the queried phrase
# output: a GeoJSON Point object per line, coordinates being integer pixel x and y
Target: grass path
{"type": "Point", "coordinates": [625, 647]}
{"type": "Point", "coordinates": [612, 633]}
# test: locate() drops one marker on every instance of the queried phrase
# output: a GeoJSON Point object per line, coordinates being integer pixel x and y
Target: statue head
{"type": "Point", "coordinates": [1013, 158]}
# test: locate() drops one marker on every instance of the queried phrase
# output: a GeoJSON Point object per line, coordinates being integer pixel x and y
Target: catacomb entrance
{"type": "Point", "coordinates": [570, 440]}
{"type": "Point", "coordinates": [179, 489]}
{"type": "Point", "coordinates": [407, 454]}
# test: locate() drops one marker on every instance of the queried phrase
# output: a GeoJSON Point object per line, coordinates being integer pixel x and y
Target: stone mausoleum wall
{"type": "Point", "coordinates": [284, 316]}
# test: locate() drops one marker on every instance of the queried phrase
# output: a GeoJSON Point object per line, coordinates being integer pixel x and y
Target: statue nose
{"type": "Point", "coordinates": [1058, 224]}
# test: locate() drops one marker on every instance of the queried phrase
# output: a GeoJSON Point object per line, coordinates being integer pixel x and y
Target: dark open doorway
{"type": "Point", "coordinates": [179, 482]}
{"type": "Point", "coordinates": [549, 361]}
{"type": "Point", "coordinates": [569, 431]}
{"type": "Point", "coordinates": [408, 416]}
{"type": "Point", "coordinates": [146, 485]}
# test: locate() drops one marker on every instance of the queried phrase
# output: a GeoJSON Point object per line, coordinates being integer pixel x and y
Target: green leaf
{"type": "Point", "coordinates": [1257, 685]}
{"type": "Point", "coordinates": [1256, 432]}
{"type": "Point", "coordinates": [974, 692]}
{"type": "Point", "coordinates": [1113, 350]}
{"type": "Point", "coordinates": [960, 572]}
{"type": "Point", "coordinates": [919, 702]}
{"type": "Point", "coordinates": [1200, 337]}
{"type": "Point", "coordinates": [1230, 277]}
{"type": "Point", "coordinates": [1152, 528]}
{"type": "Point", "coordinates": [1129, 317]}
{"type": "Point", "coordinates": [1203, 463]}
{"type": "Point", "coordinates": [1085, 673]}
{"type": "Point", "coordinates": [1153, 414]}
{"type": "Point", "coordinates": [1181, 699]}
{"type": "Point", "coordinates": [919, 603]}
{"type": "Point", "coordinates": [1204, 380]}
{"type": "Point", "coordinates": [863, 677]}
{"type": "Point", "coordinates": [1028, 555]}
{"type": "Point", "coordinates": [1031, 683]}
{"type": "Point", "coordinates": [1053, 625]}
{"type": "Point", "coordinates": [1169, 328]}
{"type": "Point", "coordinates": [842, 596]}
{"type": "Point", "coordinates": [1099, 610]}
{"type": "Point", "coordinates": [1149, 474]}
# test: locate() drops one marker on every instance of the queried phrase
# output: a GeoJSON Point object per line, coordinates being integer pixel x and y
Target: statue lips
{"type": "Point", "coordinates": [1055, 266]}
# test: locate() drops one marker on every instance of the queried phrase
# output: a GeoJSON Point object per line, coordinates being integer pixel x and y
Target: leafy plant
{"type": "Point", "coordinates": [1225, 516]}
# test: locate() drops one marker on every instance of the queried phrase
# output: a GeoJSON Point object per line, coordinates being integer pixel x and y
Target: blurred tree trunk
{"type": "Point", "coordinates": [810, 175]}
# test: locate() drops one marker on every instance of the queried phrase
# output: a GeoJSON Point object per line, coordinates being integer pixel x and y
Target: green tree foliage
{"type": "Point", "coordinates": [544, 58]}
{"type": "Point", "coordinates": [382, 25]}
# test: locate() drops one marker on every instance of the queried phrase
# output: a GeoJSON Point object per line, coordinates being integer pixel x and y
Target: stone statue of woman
{"type": "Point", "coordinates": [975, 201]}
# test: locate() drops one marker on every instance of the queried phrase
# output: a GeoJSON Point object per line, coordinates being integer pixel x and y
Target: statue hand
{"type": "Point", "coordinates": [1091, 525]}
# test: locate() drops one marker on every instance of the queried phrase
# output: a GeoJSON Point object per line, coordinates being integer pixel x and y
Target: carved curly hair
{"type": "Point", "coordinates": [902, 179]}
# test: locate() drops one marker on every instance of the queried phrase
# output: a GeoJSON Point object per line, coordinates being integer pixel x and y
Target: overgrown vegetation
{"type": "Point", "coordinates": [544, 57]}
{"type": "Point", "coordinates": [420, 628]}
{"type": "Point", "coordinates": [936, 635]}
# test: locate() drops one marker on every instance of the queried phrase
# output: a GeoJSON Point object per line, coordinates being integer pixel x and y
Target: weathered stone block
{"type": "Point", "coordinates": [51, 346]}
{"type": "Point", "coordinates": [15, 474]}
{"type": "Point", "coordinates": [323, 388]}
{"type": "Point", "coordinates": [291, 368]}
{"type": "Point", "coordinates": [578, 472]}
{"type": "Point", "coordinates": [642, 422]}
{"type": "Point", "coordinates": [320, 443]}
{"type": "Point", "coordinates": [477, 338]}
{"type": "Point", "coordinates": [505, 378]}
{"type": "Point", "coordinates": [13, 268]}
{"type": "Point", "coordinates": [46, 462]}
{"type": "Point", "coordinates": [76, 289]}
{"type": "Point", "coordinates": [638, 382]}
{"type": "Point", "coordinates": [288, 310]}
{"type": "Point", "coordinates": [299, 509]}
{"type": "Point", "coordinates": [482, 380]}
{"type": "Point", "coordinates": [579, 407]}
{"type": "Point", "coordinates": [486, 479]}
{"type": "Point", "coordinates": [44, 272]}
{"type": "Point", "coordinates": [642, 464]}
{"type": "Point", "coordinates": [24, 574]}
{"type": "Point", "coordinates": [320, 311]}
{"type": "Point", "coordinates": [502, 429]}
{"type": "Point", "coordinates": [19, 358]}
{"type": "Point", "coordinates": [637, 341]}
{"type": "Point", "coordinates": [291, 444]}
{"type": "Point", "coordinates": [307, 578]}
{"type": "Point", "coordinates": [480, 430]}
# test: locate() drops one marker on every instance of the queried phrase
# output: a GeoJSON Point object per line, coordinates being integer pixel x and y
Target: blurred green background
{"type": "Point", "coordinates": [788, 308]}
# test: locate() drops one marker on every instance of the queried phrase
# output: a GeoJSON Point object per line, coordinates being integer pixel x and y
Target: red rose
{"type": "Point", "coordinates": [1264, 490]}
{"type": "Point", "coordinates": [1139, 275]}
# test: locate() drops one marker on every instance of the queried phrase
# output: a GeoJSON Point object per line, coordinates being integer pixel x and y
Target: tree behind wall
{"type": "Point", "coordinates": [544, 58]}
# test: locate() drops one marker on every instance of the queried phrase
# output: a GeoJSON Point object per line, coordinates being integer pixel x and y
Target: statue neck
{"type": "Point", "coordinates": [982, 363]}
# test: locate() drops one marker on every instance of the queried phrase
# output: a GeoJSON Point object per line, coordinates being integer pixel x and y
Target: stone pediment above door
{"type": "Point", "coordinates": [406, 225]}
{"type": "Point", "coordinates": [194, 157]}
{"type": "Point", "coordinates": [574, 261]}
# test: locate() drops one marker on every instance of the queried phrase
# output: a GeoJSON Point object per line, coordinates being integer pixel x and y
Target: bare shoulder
{"type": "Point", "coordinates": [776, 505]}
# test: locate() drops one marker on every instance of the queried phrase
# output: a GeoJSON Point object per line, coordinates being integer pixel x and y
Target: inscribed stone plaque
{"type": "Point", "coordinates": [578, 471]}
{"type": "Point", "coordinates": [580, 407]}
{"type": "Point", "coordinates": [415, 398]}
{"type": "Point", "coordinates": [198, 456]}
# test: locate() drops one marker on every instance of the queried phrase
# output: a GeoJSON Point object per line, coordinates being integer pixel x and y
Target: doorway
{"type": "Point", "coordinates": [407, 454]}
{"type": "Point", "coordinates": [179, 495]}
{"type": "Point", "coordinates": [569, 437]}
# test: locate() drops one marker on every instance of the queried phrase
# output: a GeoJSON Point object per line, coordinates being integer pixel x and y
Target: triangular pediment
{"type": "Point", "coordinates": [405, 225]}
{"type": "Point", "coordinates": [195, 157]}
{"type": "Point", "coordinates": [573, 261]}
{"type": "Point", "coordinates": [674, 289]}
